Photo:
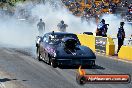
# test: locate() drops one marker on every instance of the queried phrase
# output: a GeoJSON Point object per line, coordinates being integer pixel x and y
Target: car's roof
{"type": "Point", "coordinates": [59, 33]}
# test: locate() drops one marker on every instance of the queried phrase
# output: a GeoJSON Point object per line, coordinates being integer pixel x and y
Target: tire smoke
{"type": "Point", "coordinates": [21, 32]}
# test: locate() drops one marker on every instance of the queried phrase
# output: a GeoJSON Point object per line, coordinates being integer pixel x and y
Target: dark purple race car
{"type": "Point", "coordinates": [57, 48]}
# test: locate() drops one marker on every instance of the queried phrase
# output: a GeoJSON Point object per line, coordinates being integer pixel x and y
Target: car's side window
{"type": "Point", "coordinates": [49, 38]}
{"type": "Point", "coordinates": [45, 38]}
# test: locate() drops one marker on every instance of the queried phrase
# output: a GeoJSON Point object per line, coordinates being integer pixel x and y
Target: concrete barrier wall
{"type": "Point", "coordinates": [87, 40]}
{"type": "Point", "coordinates": [110, 46]}
{"type": "Point", "coordinates": [125, 53]}
{"type": "Point", "coordinates": [106, 44]}
{"type": "Point", "coordinates": [97, 43]}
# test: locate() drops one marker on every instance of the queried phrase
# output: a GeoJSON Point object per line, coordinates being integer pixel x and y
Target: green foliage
{"type": "Point", "coordinates": [13, 2]}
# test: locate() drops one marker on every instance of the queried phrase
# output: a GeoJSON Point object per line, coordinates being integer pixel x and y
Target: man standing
{"type": "Point", "coordinates": [120, 36]}
{"type": "Point", "coordinates": [41, 27]}
{"type": "Point", "coordinates": [62, 26]}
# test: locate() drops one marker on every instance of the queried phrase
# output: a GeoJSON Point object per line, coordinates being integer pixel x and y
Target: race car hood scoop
{"type": "Point", "coordinates": [70, 44]}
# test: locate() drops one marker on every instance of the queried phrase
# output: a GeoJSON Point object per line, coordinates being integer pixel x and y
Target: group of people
{"type": "Point", "coordinates": [73, 6]}
{"type": "Point", "coordinates": [112, 7]}
{"type": "Point", "coordinates": [41, 26]}
{"type": "Point", "coordinates": [93, 11]}
{"type": "Point", "coordinates": [101, 30]}
{"type": "Point", "coordinates": [130, 9]}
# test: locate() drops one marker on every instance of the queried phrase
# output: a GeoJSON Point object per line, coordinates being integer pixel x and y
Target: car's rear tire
{"type": "Point", "coordinates": [53, 63]}
{"type": "Point", "coordinates": [93, 63]}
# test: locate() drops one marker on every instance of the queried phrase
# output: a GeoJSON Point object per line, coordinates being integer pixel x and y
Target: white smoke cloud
{"type": "Point", "coordinates": [52, 17]}
{"type": "Point", "coordinates": [23, 33]}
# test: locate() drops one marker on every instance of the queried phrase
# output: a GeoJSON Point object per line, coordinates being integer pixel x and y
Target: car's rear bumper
{"type": "Point", "coordinates": [75, 62]}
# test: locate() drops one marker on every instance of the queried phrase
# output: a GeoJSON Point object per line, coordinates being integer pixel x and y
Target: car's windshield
{"type": "Point", "coordinates": [57, 38]}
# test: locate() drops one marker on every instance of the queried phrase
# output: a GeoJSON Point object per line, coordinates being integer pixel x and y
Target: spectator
{"type": "Point", "coordinates": [72, 7]}
{"type": "Point", "coordinates": [126, 4]}
{"type": "Point", "coordinates": [112, 7]}
{"type": "Point", "coordinates": [72, 1]}
{"type": "Point", "coordinates": [87, 11]}
{"type": "Point", "coordinates": [67, 3]}
{"type": "Point", "coordinates": [130, 9]}
{"type": "Point", "coordinates": [93, 5]}
{"type": "Point", "coordinates": [77, 5]}
{"type": "Point", "coordinates": [76, 12]}
{"type": "Point", "coordinates": [86, 2]}
{"type": "Point", "coordinates": [102, 5]}
{"type": "Point", "coordinates": [107, 1]}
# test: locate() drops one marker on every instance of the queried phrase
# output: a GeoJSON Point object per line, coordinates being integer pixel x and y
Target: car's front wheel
{"type": "Point", "coordinates": [38, 54]}
{"type": "Point", "coordinates": [53, 63]}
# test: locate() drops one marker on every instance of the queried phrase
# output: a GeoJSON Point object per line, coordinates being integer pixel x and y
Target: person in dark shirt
{"type": "Point", "coordinates": [62, 26]}
{"type": "Point", "coordinates": [102, 29]}
{"type": "Point", "coordinates": [120, 35]}
{"type": "Point", "coordinates": [41, 27]}
{"type": "Point", "coordinates": [126, 4]}
{"type": "Point", "coordinates": [77, 5]}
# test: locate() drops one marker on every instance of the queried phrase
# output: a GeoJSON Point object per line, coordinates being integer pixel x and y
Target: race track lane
{"type": "Point", "coordinates": [34, 74]}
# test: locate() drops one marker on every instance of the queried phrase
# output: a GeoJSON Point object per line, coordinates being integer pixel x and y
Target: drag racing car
{"type": "Point", "coordinates": [63, 49]}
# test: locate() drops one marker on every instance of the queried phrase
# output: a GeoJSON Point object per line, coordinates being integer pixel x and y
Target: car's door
{"type": "Point", "coordinates": [44, 46]}
{"type": "Point", "coordinates": [42, 43]}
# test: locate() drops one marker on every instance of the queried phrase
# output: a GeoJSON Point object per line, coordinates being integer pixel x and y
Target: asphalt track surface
{"type": "Point", "coordinates": [31, 73]}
